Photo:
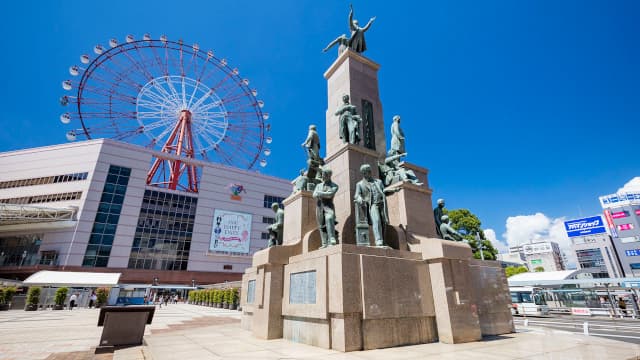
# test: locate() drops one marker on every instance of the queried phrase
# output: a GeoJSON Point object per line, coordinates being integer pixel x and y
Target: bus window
{"type": "Point", "coordinates": [538, 299]}
{"type": "Point", "coordinates": [526, 297]}
{"type": "Point", "coordinates": [515, 298]}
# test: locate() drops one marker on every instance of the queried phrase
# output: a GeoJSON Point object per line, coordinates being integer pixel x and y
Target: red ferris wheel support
{"type": "Point", "coordinates": [180, 143]}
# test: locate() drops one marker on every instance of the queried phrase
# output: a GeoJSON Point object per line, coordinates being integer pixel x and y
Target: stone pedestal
{"type": "Point", "coordinates": [299, 216]}
{"type": "Point", "coordinates": [453, 296]}
{"type": "Point", "coordinates": [356, 76]}
{"type": "Point", "coordinates": [410, 208]}
{"type": "Point", "coordinates": [349, 297]}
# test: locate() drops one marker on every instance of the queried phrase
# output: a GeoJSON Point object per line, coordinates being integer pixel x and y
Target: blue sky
{"type": "Point", "coordinates": [516, 107]}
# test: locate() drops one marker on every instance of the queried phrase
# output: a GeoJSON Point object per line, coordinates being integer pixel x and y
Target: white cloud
{"type": "Point", "coordinates": [523, 229]}
{"type": "Point", "coordinates": [631, 185]}
{"type": "Point", "coordinates": [490, 235]}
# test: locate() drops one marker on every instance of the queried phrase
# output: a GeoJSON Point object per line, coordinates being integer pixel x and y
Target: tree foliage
{"type": "Point", "coordinates": [515, 270]}
{"type": "Point", "coordinates": [468, 224]}
{"type": "Point", "coordinates": [538, 269]}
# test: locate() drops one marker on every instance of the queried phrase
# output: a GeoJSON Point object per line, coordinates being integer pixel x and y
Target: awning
{"type": "Point", "coordinates": [72, 279]}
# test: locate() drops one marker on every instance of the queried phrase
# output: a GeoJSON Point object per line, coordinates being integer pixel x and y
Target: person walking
{"type": "Point", "coordinates": [92, 299]}
{"type": "Point", "coordinates": [72, 301]}
{"type": "Point", "coordinates": [623, 306]}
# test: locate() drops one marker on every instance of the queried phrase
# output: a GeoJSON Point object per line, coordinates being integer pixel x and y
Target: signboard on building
{"type": "Point", "coordinates": [632, 252]}
{"type": "Point", "coordinates": [619, 199]}
{"type": "Point", "coordinates": [585, 226]}
{"type": "Point", "coordinates": [537, 248]}
{"type": "Point", "coordinates": [231, 232]}
{"type": "Point", "coordinates": [536, 262]}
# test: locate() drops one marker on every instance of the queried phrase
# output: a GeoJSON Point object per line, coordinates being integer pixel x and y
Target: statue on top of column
{"type": "Point", "coordinates": [356, 42]}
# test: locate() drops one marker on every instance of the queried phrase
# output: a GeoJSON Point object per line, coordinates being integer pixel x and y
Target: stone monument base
{"type": "Point", "coordinates": [349, 297]}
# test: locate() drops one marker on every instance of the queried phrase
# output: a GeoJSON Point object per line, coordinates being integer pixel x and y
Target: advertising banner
{"type": "Point", "coordinates": [231, 232]}
{"type": "Point", "coordinates": [585, 226]}
{"type": "Point", "coordinates": [580, 311]}
{"type": "Point", "coordinates": [619, 199]}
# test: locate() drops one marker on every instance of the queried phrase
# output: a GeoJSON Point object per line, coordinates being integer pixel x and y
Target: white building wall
{"type": "Point", "coordinates": [95, 157]}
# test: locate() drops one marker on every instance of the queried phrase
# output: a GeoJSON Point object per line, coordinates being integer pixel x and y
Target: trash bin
{"type": "Point", "coordinates": [124, 325]}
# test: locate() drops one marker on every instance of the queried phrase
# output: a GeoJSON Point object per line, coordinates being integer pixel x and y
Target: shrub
{"type": "Point", "coordinates": [9, 292]}
{"type": "Point", "coordinates": [102, 294]}
{"type": "Point", "coordinates": [33, 296]}
{"type": "Point", "coordinates": [233, 296]}
{"type": "Point", "coordinates": [61, 295]}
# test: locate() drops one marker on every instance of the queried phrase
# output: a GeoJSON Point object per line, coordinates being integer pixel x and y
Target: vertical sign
{"type": "Point", "coordinates": [231, 232]}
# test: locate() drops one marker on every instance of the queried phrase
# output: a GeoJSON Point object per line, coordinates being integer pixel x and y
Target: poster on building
{"type": "Point", "coordinates": [231, 232]}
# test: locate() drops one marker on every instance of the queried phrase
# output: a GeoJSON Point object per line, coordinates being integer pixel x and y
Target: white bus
{"type": "Point", "coordinates": [527, 300]}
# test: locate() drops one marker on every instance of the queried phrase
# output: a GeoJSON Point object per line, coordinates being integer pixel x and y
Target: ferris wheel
{"type": "Point", "coordinates": [168, 96]}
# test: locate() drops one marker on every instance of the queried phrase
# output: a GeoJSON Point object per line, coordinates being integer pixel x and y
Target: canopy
{"type": "Point", "coordinates": [542, 276]}
{"type": "Point", "coordinates": [72, 279]}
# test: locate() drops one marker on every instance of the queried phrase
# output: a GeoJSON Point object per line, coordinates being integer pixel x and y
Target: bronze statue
{"type": "Point", "coordinates": [300, 183]}
{"type": "Point", "coordinates": [392, 171]}
{"type": "Point", "coordinates": [325, 211]}
{"type": "Point", "coordinates": [449, 233]}
{"type": "Point", "coordinates": [397, 137]}
{"type": "Point", "coordinates": [349, 129]}
{"type": "Point", "coordinates": [356, 41]}
{"type": "Point", "coordinates": [438, 212]}
{"type": "Point", "coordinates": [371, 205]}
{"type": "Point", "coordinates": [312, 144]}
{"type": "Point", "coordinates": [275, 229]}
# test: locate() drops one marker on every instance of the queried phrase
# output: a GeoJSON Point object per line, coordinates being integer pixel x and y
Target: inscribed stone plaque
{"type": "Point", "coordinates": [302, 287]}
{"type": "Point", "coordinates": [251, 291]}
{"type": "Point", "coordinates": [367, 125]}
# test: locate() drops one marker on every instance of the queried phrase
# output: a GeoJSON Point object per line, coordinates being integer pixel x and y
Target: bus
{"type": "Point", "coordinates": [527, 300]}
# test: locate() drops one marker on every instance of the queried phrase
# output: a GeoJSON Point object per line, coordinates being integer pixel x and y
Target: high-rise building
{"type": "Point", "coordinates": [592, 245]}
{"type": "Point", "coordinates": [86, 206]}
{"type": "Point", "coordinates": [622, 214]}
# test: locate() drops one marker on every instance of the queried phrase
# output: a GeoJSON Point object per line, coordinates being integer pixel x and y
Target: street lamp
{"type": "Point", "coordinates": [155, 281]}
{"type": "Point", "coordinates": [193, 283]}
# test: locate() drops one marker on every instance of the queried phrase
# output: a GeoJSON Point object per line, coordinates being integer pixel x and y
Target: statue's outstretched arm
{"type": "Point", "coordinates": [366, 27]}
{"type": "Point", "coordinates": [332, 44]}
{"type": "Point", "coordinates": [351, 25]}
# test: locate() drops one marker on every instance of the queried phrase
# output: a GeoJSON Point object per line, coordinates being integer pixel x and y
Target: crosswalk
{"type": "Point", "coordinates": [622, 330]}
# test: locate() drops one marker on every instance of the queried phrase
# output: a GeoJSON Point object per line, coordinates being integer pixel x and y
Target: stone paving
{"type": "Point", "coordinates": [194, 332]}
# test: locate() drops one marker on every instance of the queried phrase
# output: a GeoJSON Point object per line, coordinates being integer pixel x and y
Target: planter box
{"type": "Point", "coordinates": [58, 307]}
{"type": "Point", "coordinates": [30, 307]}
{"type": "Point", "coordinates": [5, 307]}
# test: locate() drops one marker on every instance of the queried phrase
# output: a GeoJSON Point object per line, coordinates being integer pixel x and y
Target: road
{"type": "Point", "coordinates": [615, 329]}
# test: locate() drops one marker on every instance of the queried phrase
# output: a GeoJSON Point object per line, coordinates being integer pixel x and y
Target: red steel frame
{"type": "Point", "coordinates": [183, 138]}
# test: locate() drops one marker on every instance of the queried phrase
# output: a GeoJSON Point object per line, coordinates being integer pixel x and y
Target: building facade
{"type": "Point", "coordinates": [593, 247]}
{"type": "Point", "coordinates": [86, 206]}
{"type": "Point", "coordinates": [544, 254]}
{"type": "Point", "coordinates": [622, 214]}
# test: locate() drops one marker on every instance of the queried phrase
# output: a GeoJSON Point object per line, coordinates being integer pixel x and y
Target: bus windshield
{"type": "Point", "coordinates": [518, 297]}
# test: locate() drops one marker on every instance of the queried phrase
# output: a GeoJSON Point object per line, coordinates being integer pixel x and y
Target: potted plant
{"type": "Point", "coordinates": [225, 298]}
{"type": "Point", "coordinates": [218, 298]}
{"type": "Point", "coordinates": [233, 298]}
{"type": "Point", "coordinates": [4, 305]}
{"type": "Point", "coordinates": [33, 297]}
{"type": "Point", "coordinates": [59, 298]}
{"type": "Point", "coordinates": [102, 294]}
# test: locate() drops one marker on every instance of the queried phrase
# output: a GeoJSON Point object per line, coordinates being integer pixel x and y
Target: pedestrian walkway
{"type": "Point", "coordinates": [194, 332]}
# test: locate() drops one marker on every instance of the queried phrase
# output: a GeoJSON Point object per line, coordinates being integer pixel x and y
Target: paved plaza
{"type": "Point", "coordinates": [193, 332]}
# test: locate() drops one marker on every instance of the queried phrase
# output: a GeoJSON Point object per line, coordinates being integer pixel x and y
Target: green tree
{"type": "Point", "coordinates": [514, 270]}
{"type": "Point", "coordinates": [538, 269]}
{"type": "Point", "coordinates": [468, 224]}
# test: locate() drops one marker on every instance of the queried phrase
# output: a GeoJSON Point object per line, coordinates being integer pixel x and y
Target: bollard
{"type": "Point", "coordinates": [585, 328]}
{"type": "Point", "coordinates": [526, 322]}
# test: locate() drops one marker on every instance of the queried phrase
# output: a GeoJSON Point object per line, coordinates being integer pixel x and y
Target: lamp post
{"type": "Point", "coordinates": [193, 283]}
{"type": "Point", "coordinates": [155, 281]}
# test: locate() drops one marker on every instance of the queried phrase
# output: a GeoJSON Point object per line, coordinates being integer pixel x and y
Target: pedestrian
{"type": "Point", "coordinates": [92, 299]}
{"type": "Point", "coordinates": [72, 301]}
{"type": "Point", "coordinates": [622, 305]}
